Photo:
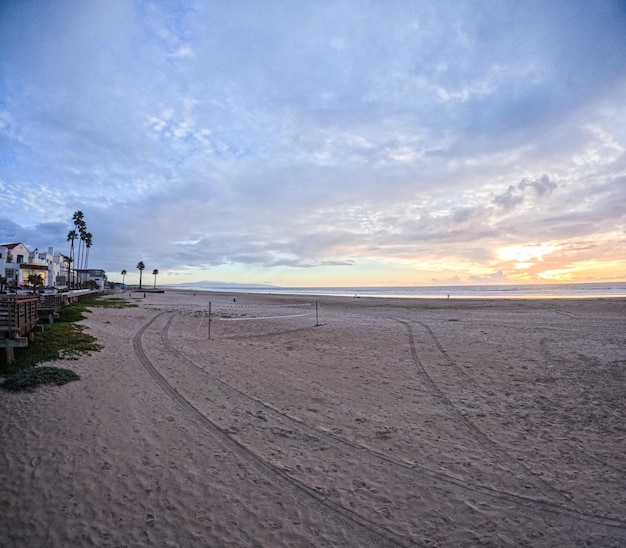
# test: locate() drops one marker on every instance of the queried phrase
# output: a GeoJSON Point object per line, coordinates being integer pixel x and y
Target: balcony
{"type": "Point", "coordinates": [28, 262]}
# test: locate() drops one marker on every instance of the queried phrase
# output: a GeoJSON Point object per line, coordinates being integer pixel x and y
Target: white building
{"type": "Point", "coordinates": [92, 278]}
{"type": "Point", "coordinates": [17, 263]}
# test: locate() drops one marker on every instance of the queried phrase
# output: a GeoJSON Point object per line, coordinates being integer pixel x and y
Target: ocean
{"type": "Point", "coordinates": [502, 291]}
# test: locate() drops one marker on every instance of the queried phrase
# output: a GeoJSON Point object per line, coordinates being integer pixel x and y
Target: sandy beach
{"type": "Point", "coordinates": [327, 422]}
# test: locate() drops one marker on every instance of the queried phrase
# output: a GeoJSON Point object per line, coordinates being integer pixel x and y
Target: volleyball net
{"type": "Point", "coordinates": [251, 312]}
{"type": "Point", "coordinates": [240, 319]}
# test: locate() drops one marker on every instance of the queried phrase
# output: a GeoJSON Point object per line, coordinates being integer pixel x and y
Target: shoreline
{"type": "Point", "coordinates": [554, 291]}
{"type": "Point", "coordinates": [395, 421]}
{"type": "Point", "coordinates": [253, 294]}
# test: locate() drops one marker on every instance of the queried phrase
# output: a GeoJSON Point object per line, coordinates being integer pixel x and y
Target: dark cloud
{"type": "Point", "coordinates": [509, 200]}
{"type": "Point", "coordinates": [541, 186]}
{"type": "Point", "coordinates": [515, 196]}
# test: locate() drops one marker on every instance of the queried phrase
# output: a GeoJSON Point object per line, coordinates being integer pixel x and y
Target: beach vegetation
{"type": "Point", "coordinates": [63, 339]}
{"type": "Point", "coordinates": [29, 379]}
{"type": "Point", "coordinates": [114, 302]}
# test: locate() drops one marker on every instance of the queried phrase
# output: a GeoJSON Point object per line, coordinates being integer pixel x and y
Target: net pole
{"type": "Point", "coordinates": [317, 313]}
{"type": "Point", "coordinates": [209, 322]}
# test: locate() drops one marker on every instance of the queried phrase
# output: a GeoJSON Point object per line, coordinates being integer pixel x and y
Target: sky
{"type": "Point", "coordinates": [319, 143]}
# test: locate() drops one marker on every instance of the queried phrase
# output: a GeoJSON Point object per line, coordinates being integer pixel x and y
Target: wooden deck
{"type": "Point", "coordinates": [18, 315]}
{"type": "Point", "coordinates": [18, 318]}
{"type": "Point", "coordinates": [21, 314]}
{"type": "Point", "coordinates": [49, 306]}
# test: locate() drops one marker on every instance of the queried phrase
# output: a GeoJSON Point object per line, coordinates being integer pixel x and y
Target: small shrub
{"type": "Point", "coordinates": [73, 313]}
{"type": "Point", "coordinates": [28, 379]}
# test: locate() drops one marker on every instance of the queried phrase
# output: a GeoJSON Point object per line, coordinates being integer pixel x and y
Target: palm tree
{"type": "Point", "coordinates": [79, 222]}
{"type": "Point", "coordinates": [71, 236]}
{"type": "Point", "coordinates": [140, 267]}
{"type": "Point", "coordinates": [154, 273]}
{"type": "Point", "coordinates": [123, 273]}
{"type": "Point", "coordinates": [88, 244]}
{"type": "Point", "coordinates": [78, 255]}
{"type": "Point", "coordinates": [35, 280]}
{"type": "Point", "coordinates": [78, 217]}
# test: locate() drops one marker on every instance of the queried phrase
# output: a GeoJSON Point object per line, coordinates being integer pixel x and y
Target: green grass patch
{"type": "Point", "coordinates": [63, 339]}
{"type": "Point", "coordinates": [29, 379]}
{"type": "Point", "coordinates": [71, 313]}
{"type": "Point", "coordinates": [113, 302]}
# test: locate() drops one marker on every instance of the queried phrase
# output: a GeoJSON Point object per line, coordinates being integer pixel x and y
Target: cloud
{"type": "Point", "coordinates": [514, 194]}
{"type": "Point", "coordinates": [541, 186]}
{"type": "Point", "coordinates": [509, 199]}
{"type": "Point", "coordinates": [41, 236]}
{"type": "Point", "coordinates": [494, 278]}
{"type": "Point", "coordinates": [293, 138]}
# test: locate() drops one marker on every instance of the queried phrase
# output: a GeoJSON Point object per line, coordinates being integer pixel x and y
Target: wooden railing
{"type": "Point", "coordinates": [49, 306]}
{"type": "Point", "coordinates": [79, 295]}
{"type": "Point", "coordinates": [18, 315]}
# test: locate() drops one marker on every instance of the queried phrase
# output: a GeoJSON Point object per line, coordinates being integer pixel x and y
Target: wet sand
{"type": "Point", "coordinates": [357, 422]}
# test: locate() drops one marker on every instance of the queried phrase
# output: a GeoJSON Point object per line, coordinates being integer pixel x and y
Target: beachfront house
{"type": "Point", "coordinates": [92, 278]}
{"type": "Point", "coordinates": [17, 263]}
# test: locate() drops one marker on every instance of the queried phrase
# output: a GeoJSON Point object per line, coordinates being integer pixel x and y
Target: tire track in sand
{"type": "Point", "coordinates": [543, 486]}
{"type": "Point", "coordinates": [409, 470]}
{"type": "Point", "coordinates": [470, 380]}
{"type": "Point", "coordinates": [366, 531]}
